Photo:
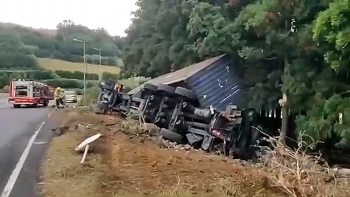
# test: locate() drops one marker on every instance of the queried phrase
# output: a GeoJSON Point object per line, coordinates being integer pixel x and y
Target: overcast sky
{"type": "Point", "coordinates": [113, 15]}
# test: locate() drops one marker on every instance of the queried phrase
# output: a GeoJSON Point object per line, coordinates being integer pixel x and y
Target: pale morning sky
{"type": "Point", "coordinates": [113, 15]}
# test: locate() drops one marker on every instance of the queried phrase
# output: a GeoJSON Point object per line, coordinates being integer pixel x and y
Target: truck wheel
{"type": "Point", "coordinates": [185, 93]}
{"type": "Point", "coordinates": [16, 106]}
{"type": "Point", "coordinates": [166, 88]}
{"type": "Point", "coordinates": [46, 103]}
{"type": "Point", "coordinates": [149, 86]}
{"type": "Point", "coordinates": [171, 135]}
{"type": "Point", "coordinates": [34, 105]}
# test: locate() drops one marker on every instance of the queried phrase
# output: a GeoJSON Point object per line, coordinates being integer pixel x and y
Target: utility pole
{"type": "Point", "coordinates": [99, 52]}
{"type": "Point", "coordinates": [84, 52]}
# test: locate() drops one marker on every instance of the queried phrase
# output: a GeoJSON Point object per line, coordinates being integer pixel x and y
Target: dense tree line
{"type": "Point", "coordinates": [292, 49]}
{"type": "Point", "coordinates": [20, 45]}
{"type": "Point", "coordinates": [5, 77]}
{"type": "Point", "coordinates": [12, 53]}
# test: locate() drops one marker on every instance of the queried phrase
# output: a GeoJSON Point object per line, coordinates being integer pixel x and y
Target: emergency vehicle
{"type": "Point", "coordinates": [29, 93]}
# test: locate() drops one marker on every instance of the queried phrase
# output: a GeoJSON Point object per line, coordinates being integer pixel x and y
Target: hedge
{"type": "Point", "coordinates": [69, 83]}
{"type": "Point", "coordinates": [109, 76]}
{"type": "Point", "coordinates": [76, 75]}
{"type": "Point", "coordinates": [64, 83]}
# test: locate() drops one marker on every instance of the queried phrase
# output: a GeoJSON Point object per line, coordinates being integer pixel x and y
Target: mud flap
{"type": "Point", "coordinates": [193, 139]}
{"type": "Point", "coordinates": [207, 143]}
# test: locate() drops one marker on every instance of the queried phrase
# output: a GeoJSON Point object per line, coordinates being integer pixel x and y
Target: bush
{"type": "Point", "coordinates": [69, 74]}
{"type": "Point", "coordinates": [76, 75]}
{"type": "Point", "coordinates": [37, 75]}
{"type": "Point", "coordinates": [41, 75]}
{"type": "Point", "coordinates": [91, 95]}
{"type": "Point", "coordinates": [11, 60]}
{"type": "Point", "coordinates": [78, 91]}
{"type": "Point", "coordinates": [92, 76]}
{"type": "Point", "coordinates": [5, 89]}
{"type": "Point", "coordinates": [109, 76]}
{"type": "Point", "coordinates": [293, 171]}
{"type": "Point", "coordinates": [64, 83]}
{"type": "Point", "coordinates": [4, 81]}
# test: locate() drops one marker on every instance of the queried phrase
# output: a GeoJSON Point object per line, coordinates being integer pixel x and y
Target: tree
{"type": "Point", "coordinates": [332, 32]}
{"type": "Point", "coordinates": [59, 44]}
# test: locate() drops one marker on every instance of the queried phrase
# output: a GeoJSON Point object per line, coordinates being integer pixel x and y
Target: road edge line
{"type": "Point", "coordinates": [15, 173]}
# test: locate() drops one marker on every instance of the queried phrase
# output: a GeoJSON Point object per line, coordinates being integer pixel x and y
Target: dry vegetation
{"type": "Point", "coordinates": [130, 162]}
{"type": "Point", "coordinates": [54, 64]}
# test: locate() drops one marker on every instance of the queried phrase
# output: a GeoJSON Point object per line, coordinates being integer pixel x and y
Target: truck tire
{"type": "Point", "coordinates": [16, 106]}
{"type": "Point", "coordinates": [185, 93]}
{"type": "Point", "coordinates": [172, 136]}
{"type": "Point", "coordinates": [46, 103]}
{"type": "Point", "coordinates": [166, 88]}
{"type": "Point", "coordinates": [149, 86]}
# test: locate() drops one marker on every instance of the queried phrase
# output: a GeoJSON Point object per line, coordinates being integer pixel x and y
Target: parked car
{"type": "Point", "coordinates": [70, 96]}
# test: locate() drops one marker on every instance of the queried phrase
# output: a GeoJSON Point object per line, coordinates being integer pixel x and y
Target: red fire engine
{"type": "Point", "coordinates": [29, 93]}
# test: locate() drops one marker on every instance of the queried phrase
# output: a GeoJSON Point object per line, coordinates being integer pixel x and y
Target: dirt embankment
{"type": "Point", "coordinates": [125, 162]}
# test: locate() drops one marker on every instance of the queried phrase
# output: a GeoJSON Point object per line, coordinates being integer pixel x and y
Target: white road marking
{"type": "Point", "coordinates": [49, 114]}
{"type": "Point", "coordinates": [39, 143]}
{"type": "Point", "coordinates": [13, 178]}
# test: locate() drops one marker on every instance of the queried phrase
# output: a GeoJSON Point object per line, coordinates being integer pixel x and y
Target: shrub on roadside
{"type": "Point", "coordinates": [5, 89]}
{"type": "Point", "coordinates": [91, 95]}
{"type": "Point", "coordinates": [294, 172]}
{"type": "Point", "coordinates": [76, 75]}
{"type": "Point", "coordinates": [109, 76]}
{"type": "Point", "coordinates": [79, 91]}
{"type": "Point", "coordinates": [41, 75]}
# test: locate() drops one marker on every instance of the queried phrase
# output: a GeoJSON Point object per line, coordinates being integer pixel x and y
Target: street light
{"type": "Point", "coordinates": [99, 52]}
{"type": "Point", "coordinates": [84, 43]}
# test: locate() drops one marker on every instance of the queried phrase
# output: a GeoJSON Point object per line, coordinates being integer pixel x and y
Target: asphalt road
{"type": "Point", "coordinates": [3, 100]}
{"type": "Point", "coordinates": [24, 137]}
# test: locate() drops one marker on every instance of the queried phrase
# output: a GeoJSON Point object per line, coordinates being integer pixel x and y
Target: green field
{"type": "Point", "coordinates": [54, 64]}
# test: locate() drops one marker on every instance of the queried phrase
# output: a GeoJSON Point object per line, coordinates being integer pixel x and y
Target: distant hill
{"type": "Point", "coordinates": [61, 44]}
{"type": "Point", "coordinates": [26, 51]}
{"type": "Point", "coordinates": [53, 65]}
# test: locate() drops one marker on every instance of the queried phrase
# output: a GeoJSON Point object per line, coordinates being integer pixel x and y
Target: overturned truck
{"type": "Point", "coordinates": [198, 105]}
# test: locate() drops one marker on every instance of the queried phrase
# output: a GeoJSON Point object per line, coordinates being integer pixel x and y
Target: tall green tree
{"type": "Point", "coordinates": [332, 33]}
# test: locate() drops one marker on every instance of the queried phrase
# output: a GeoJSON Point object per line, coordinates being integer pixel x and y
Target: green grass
{"type": "Point", "coordinates": [54, 64]}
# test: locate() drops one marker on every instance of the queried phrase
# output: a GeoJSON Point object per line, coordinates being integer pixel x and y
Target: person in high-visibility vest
{"type": "Point", "coordinates": [57, 96]}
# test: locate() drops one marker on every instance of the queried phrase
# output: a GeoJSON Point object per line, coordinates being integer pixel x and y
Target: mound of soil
{"type": "Point", "coordinates": [127, 162]}
{"type": "Point", "coordinates": [138, 165]}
